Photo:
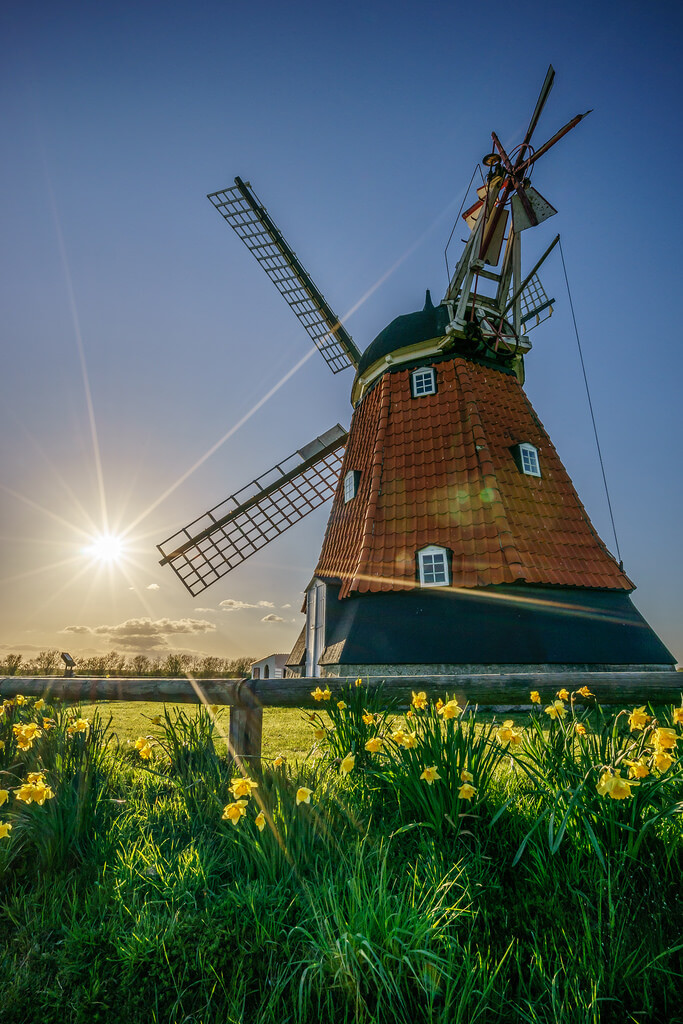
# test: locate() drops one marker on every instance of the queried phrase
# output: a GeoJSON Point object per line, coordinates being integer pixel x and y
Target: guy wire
{"type": "Point", "coordinates": [590, 406]}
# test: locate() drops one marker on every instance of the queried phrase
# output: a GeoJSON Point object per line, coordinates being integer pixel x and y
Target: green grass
{"type": "Point", "coordinates": [127, 897]}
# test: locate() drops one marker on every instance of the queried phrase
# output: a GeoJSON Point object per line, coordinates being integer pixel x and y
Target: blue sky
{"type": "Point", "coordinates": [138, 332]}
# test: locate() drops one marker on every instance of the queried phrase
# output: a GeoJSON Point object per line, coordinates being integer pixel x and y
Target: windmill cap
{"type": "Point", "coordinates": [409, 329]}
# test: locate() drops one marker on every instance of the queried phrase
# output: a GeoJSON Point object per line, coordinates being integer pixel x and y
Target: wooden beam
{"type": "Point", "coordinates": [486, 689]}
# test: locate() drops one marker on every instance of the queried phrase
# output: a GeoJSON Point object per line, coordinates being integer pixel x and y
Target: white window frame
{"type": "Point", "coordinates": [427, 559]}
{"type": "Point", "coordinates": [424, 375]}
{"type": "Point", "coordinates": [528, 459]}
{"type": "Point", "coordinates": [351, 484]}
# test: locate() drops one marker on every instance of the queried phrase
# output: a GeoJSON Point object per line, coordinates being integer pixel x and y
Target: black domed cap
{"type": "Point", "coordinates": [429, 322]}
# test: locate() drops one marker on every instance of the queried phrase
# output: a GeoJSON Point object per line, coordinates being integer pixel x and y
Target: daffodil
{"type": "Point", "coordinates": [585, 692]}
{"type": "Point", "coordinates": [430, 775]}
{"type": "Point", "coordinates": [663, 760]}
{"type": "Point", "coordinates": [439, 704]}
{"type": "Point", "coordinates": [242, 786]}
{"type": "Point", "coordinates": [398, 737]}
{"type": "Point", "coordinates": [79, 725]}
{"type": "Point", "coordinates": [319, 694]}
{"type": "Point", "coordinates": [39, 704]}
{"type": "Point", "coordinates": [20, 700]}
{"type": "Point", "coordinates": [556, 710]}
{"type": "Point", "coordinates": [614, 786]}
{"type": "Point", "coordinates": [4, 795]}
{"type": "Point", "coordinates": [563, 694]}
{"type": "Point", "coordinates": [580, 729]}
{"type": "Point", "coordinates": [31, 792]}
{"type": "Point", "coordinates": [348, 763]}
{"type": "Point", "coordinates": [303, 795]}
{"type": "Point", "coordinates": [235, 812]}
{"type": "Point", "coordinates": [637, 769]}
{"type": "Point", "coordinates": [535, 697]}
{"type": "Point", "coordinates": [466, 791]}
{"type": "Point", "coordinates": [409, 741]}
{"type": "Point", "coordinates": [374, 745]}
{"type": "Point", "coordinates": [359, 682]}
{"type": "Point", "coordinates": [665, 739]}
{"type": "Point", "coordinates": [678, 716]}
{"type": "Point", "coordinates": [320, 733]}
{"type": "Point", "coordinates": [157, 720]}
{"type": "Point", "coordinates": [466, 776]}
{"type": "Point", "coordinates": [279, 761]}
{"type": "Point", "coordinates": [450, 710]}
{"type": "Point", "coordinates": [36, 778]}
{"type": "Point", "coordinates": [368, 717]}
{"type": "Point", "coordinates": [419, 700]}
{"type": "Point", "coordinates": [638, 718]}
{"type": "Point", "coordinates": [508, 734]}
{"type": "Point", "coordinates": [260, 821]}
{"type": "Point", "coordinates": [5, 829]}
{"type": "Point", "coordinates": [341, 704]}
{"type": "Point", "coordinates": [48, 723]}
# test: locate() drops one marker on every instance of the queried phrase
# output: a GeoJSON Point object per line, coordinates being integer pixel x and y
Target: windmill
{"type": "Point", "coordinates": [456, 540]}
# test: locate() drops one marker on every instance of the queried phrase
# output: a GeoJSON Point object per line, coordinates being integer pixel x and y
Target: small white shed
{"type": "Point", "coordinates": [272, 667]}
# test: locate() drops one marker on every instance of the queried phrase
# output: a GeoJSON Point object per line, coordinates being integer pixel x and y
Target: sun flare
{"type": "Point", "coordinates": [107, 547]}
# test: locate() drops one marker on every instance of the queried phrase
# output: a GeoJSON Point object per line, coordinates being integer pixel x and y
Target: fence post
{"type": "Point", "coordinates": [246, 726]}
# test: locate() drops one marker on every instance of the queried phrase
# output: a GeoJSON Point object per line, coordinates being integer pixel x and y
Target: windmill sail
{"type": "Point", "coordinates": [251, 222]}
{"type": "Point", "coordinates": [225, 536]}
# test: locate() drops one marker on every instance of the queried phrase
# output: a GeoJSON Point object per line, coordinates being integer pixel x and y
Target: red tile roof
{"type": "Point", "coordinates": [440, 470]}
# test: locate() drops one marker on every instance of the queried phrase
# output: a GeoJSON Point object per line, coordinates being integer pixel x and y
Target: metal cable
{"type": "Point", "coordinates": [590, 406]}
{"type": "Point", "coordinates": [455, 224]}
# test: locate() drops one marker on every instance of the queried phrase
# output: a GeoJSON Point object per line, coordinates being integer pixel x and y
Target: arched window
{"type": "Point", "coordinates": [266, 672]}
{"type": "Point", "coordinates": [351, 481]}
{"type": "Point", "coordinates": [433, 566]}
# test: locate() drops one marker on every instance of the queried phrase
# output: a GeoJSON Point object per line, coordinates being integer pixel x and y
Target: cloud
{"type": "Point", "coordinates": [150, 634]}
{"type": "Point", "coordinates": [231, 605]}
{"type": "Point", "coordinates": [205, 609]}
{"type": "Point", "coordinates": [285, 606]}
{"type": "Point", "coordinates": [153, 586]}
{"type": "Point", "coordinates": [272, 618]}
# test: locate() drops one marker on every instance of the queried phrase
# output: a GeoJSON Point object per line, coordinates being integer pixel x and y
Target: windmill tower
{"type": "Point", "coordinates": [456, 541]}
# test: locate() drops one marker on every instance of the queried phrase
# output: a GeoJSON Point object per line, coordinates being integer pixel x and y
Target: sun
{"type": "Point", "coordinates": [107, 547]}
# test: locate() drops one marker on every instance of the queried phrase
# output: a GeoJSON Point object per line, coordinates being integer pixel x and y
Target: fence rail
{"type": "Point", "coordinates": [248, 697]}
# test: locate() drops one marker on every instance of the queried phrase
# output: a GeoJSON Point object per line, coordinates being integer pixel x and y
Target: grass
{"type": "Point", "coordinates": [127, 895]}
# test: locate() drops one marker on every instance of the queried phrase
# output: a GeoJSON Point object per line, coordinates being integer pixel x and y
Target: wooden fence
{"type": "Point", "coordinates": [247, 697]}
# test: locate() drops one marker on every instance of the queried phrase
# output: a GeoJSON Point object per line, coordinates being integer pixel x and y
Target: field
{"type": "Point", "coordinates": [434, 867]}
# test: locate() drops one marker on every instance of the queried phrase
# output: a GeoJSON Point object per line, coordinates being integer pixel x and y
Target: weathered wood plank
{"type": "Point", "coordinates": [611, 688]}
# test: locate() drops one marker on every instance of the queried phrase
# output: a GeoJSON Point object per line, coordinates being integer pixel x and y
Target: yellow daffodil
{"type": "Point", "coordinates": [4, 795]}
{"type": "Point", "coordinates": [319, 694]}
{"type": "Point", "coordinates": [242, 787]}
{"type": "Point", "coordinates": [398, 737]}
{"type": "Point", "coordinates": [508, 734]}
{"type": "Point", "coordinates": [638, 719]}
{"type": "Point", "coordinates": [430, 775]}
{"type": "Point", "coordinates": [466, 792]}
{"type": "Point", "coordinates": [368, 717]}
{"type": "Point", "coordinates": [145, 751]}
{"type": "Point", "coordinates": [580, 729]}
{"type": "Point", "coordinates": [26, 734]}
{"type": "Point", "coordinates": [420, 700]}
{"type": "Point", "coordinates": [5, 829]}
{"type": "Point", "coordinates": [157, 720]}
{"type": "Point", "coordinates": [563, 694]}
{"type": "Point", "coordinates": [36, 778]}
{"type": "Point", "coordinates": [409, 741]}
{"type": "Point", "coordinates": [39, 704]}
{"type": "Point", "coordinates": [320, 733]}
{"type": "Point", "coordinates": [359, 682]}
{"type": "Point", "coordinates": [347, 765]}
{"type": "Point", "coordinates": [637, 769]}
{"type": "Point", "coordinates": [678, 716]}
{"type": "Point", "coordinates": [48, 723]}
{"type": "Point", "coordinates": [585, 692]}
{"type": "Point", "coordinates": [31, 792]}
{"type": "Point", "coordinates": [20, 700]}
{"type": "Point", "coordinates": [260, 821]}
{"type": "Point", "coordinates": [614, 786]}
{"type": "Point", "coordinates": [235, 812]}
{"type": "Point", "coordinates": [303, 795]}
{"type": "Point", "coordinates": [665, 739]}
{"type": "Point", "coordinates": [450, 710]}
{"type": "Point", "coordinates": [535, 697]}
{"type": "Point", "coordinates": [279, 761]}
{"type": "Point", "coordinates": [374, 745]}
{"type": "Point", "coordinates": [341, 704]}
{"type": "Point", "coordinates": [663, 760]}
{"type": "Point", "coordinates": [466, 776]}
{"type": "Point", "coordinates": [79, 725]}
{"type": "Point", "coordinates": [439, 704]}
{"type": "Point", "coordinates": [556, 710]}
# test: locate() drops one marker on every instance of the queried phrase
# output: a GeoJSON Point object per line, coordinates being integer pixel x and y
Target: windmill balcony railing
{"type": "Point", "coordinates": [247, 697]}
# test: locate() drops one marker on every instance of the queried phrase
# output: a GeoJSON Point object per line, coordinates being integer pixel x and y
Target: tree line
{"type": "Point", "coordinates": [49, 663]}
